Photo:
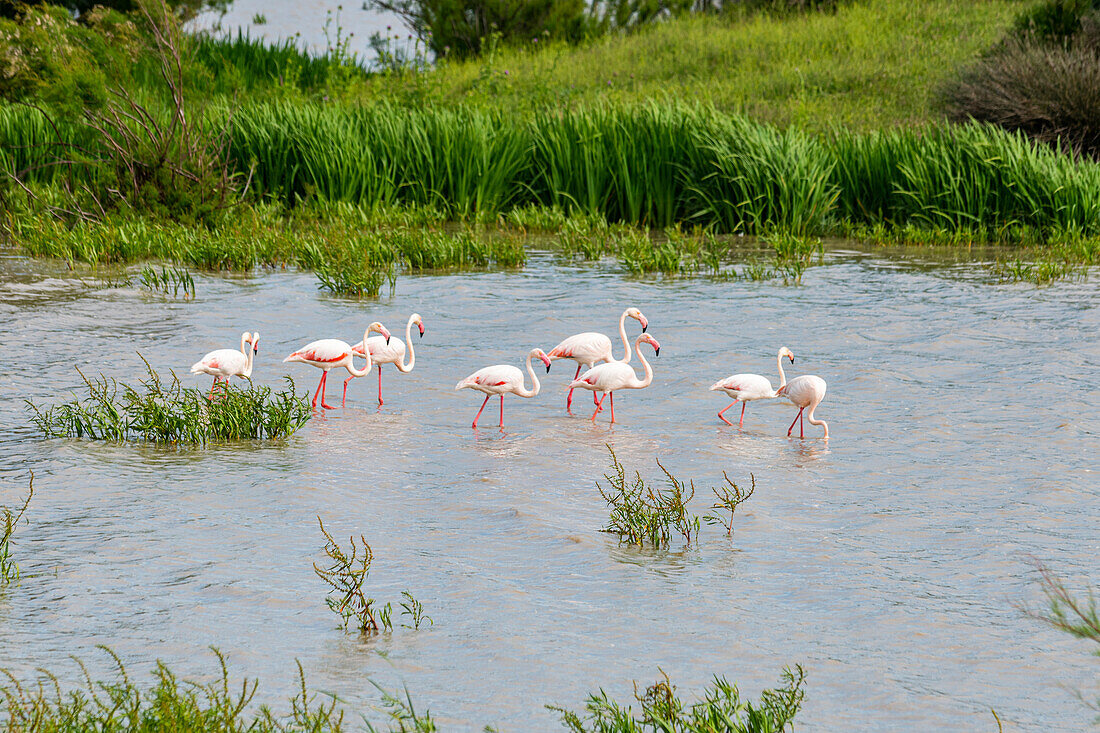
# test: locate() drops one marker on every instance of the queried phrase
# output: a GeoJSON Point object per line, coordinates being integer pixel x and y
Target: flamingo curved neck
{"type": "Point", "coordinates": [779, 366]}
{"type": "Point", "coordinates": [248, 366]}
{"type": "Point", "coordinates": [645, 365]}
{"type": "Point", "coordinates": [401, 366]}
{"type": "Point", "coordinates": [535, 384]}
{"type": "Point", "coordinates": [622, 334]}
{"type": "Point", "coordinates": [366, 352]}
{"type": "Point", "coordinates": [813, 421]}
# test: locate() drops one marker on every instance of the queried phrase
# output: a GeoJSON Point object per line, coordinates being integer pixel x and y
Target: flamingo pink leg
{"type": "Point", "coordinates": [612, 406]}
{"type": "Point", "coordinates": [801, 434]}
{"type": "Point", "coordinates": [598, 405]}
{"type": "Point", "coordinates": [501, 411]}
{"type": "Point", "coordinates": [319, 385]}
{"type": "Point", "coordinates": [212, 386]}
{"type": "Point", "coordinates": [569, 399]}
{"type": "Point", "coordinates": [478, 415]}
{"type": "Point", "coordinates": [720, 414]}
{"type": "Point", "coordinates": [344, 399]}
{"type": "Point", "coordinates": [742, 420]}
{"type": "Point", "coordinates": [324, 381]}
{"type": "Point", "coordinates": [379, 385]}
{"type": "Point", "coordinates": [794, 421]}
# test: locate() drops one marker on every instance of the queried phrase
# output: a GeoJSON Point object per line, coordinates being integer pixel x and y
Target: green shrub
{"type": "Point", "coordinates": [1054, 21]}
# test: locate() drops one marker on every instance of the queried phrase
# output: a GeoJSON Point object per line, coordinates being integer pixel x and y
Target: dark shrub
{"type": "Point", "coordinates": [1054, 21]}
{"type": "Point", "coordinates": [1050, 92]}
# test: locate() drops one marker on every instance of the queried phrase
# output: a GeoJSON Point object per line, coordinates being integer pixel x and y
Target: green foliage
{"type": "Point", "coordinates": [1054, 21]}
{"type": "Point", "coordinates": [9, 522]}
{"type": "Point", "coordinates": [641, 513]}
{"type": "Point", "coordinates": [726, 499]}
{"type": "Point", "coordinates": [182, 9]}
{"type": "Point", "coordinates": [168, 280]}
{"type": "Point", "coordinates": [162, 412]}
{"type": "Point", "coordinates": [720, 709]}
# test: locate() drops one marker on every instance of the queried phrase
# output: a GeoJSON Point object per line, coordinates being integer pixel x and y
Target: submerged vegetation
{"type": "Point", "coordinates": [345, 577]}
{"type": "Point", "coordinates": [167, 412]}
{"type": "Point", "coordinates": [169, 280]}
{"type": "Point", "coordinates": [720, 709]}
{"type": "Point", "coordinates": [10, 517]}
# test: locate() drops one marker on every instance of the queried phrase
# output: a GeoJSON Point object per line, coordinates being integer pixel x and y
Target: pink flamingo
{"type": "Point", "coordinates": [745, 388]}
{"type": "Point", "coordinates": [590, 348]}
{"type": "Point", "coordinates": [615, 375]}
{"type": "Point", "coordinates": [805, 391]}
{"type": "Point", "coordinates": [332, 354]}
{"type": "Point", "coordinates": [390, 352]}
{"type": "Point", "coordinates": [226, 363]}
{"type": "Point", "coordinates": [503, 378]}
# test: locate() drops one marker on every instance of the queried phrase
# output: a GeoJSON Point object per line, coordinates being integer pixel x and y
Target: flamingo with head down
{"type": "Point", "coordinates": [390, 351]}
{"type": "Point", "coordinates": [501, 379]}
{"type": "Point", "coordinates": [590, 348]}
{"type": "Point", "coordinates": [616, 375]}
{"type": "Point", "coordinates": [226, 363]}
{"type": "Point", "coordinates": [332, 354]}
{"type": "Point", "coordinates": [805, 392]}
{"type": "Point", "coordinates": [745, 388]}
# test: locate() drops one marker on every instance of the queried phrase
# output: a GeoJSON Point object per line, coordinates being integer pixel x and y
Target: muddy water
{"type": "Point", "coordinates": [887, 561]}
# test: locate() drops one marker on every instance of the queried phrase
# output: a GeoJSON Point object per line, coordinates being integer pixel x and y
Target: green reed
{"type": "Point", "coordinates": [9, 521]}
{"type": "Point", "coordinates": [720, 707]}
{"type": "Point", "coordinates": [641, 513]}
{"type": "Point", "coordinates": [169, 280]}
{"type": "Point", "coordinates": [345, 575]}
{"type": "Point", "coordinates": [726, 499]}
{"type": "Point", "coordinates": [167, 412]}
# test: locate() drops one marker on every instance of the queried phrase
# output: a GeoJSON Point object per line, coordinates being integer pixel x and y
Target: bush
{"type": "Point", "coordinates": [1055, 21]}
{"type": "Point", "coordinates": [1049, 92]}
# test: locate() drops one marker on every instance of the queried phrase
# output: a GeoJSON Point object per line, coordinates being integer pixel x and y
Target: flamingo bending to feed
{"type": "Point", "coordinates": [590, 348]}
{"type": "Point", "coordinates": [390, 351]}
{"type": "Point", "coordinates": [501, 379]}
{"type": "Point", "coordinates": [615, 375]}
{"type": "Point", "coordinates": [745, 388]}
{"type": "Point", "coordinates": [226, 363]}
{"type": "Point", "coordinates": [332, 354]}
{"type": "Point", "coordinates": [806, 392]}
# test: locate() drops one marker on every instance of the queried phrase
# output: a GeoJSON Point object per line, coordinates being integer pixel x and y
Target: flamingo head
{"type": "Point", "coordinates": [255, 342]}
{"type": "Point", "coordinates": [377, 327]}
{"type": "Point", "coordinates": [542, 355]}
{"type": "Point", "coordinates": [419, 323]}
{"type": "Point", "coordinates": [787, 353]}
{"type": "Point", "coordinates": [647, 339]}
{"type": "Point", "coordinates": [637, 315]}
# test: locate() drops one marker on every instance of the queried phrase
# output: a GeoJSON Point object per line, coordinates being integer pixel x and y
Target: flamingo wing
{"type": "Point", "coordinates": [604, 377]}
{"type": "Point", "coordinates": [380, 351]}
{"type": "Point", "coordinates": [325, 351]}
{"type": "Point", "coordinates": [221, 362]}
{"type": "Point", "coordinates": [494, 379]}
{"type": "Point", "coordinates": [745, 386]}
{"type": "Point", "coordinates": [584, 348]}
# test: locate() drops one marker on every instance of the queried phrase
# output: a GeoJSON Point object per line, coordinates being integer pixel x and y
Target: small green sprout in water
{"type": "Point", "coordinates": [414, 609]}
{"type": "Point", "coordinates": [168, 412]}
{"type": "Point", "coordinates": [169, 281]}
{"type": "Point", "coordinates": [720, 708]}
{"type": "Point", "coordinates": [641, 513]}
{"type": "Point", "coordinates": [727, 499]}
{"type": "Point", "coordinates": [9, 520]}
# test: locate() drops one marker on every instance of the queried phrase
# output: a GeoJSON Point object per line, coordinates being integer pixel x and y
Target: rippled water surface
{"type": "Point", "coordinates": [888, 561]}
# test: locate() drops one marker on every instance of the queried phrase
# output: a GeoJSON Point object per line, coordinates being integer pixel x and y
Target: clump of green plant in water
{"type": "Point", "coordinates": [168, 412]}
{"type": "Point", "coordinates": [641, 513]}
{"type": "Point", "coordinates": [793, 254]}
{"type": "Point", "coordinates": [355, 278]}
{"type": "Point", "coordinates": [170, 280]}
{"type": "Point", "coordinates": [726, 499]}
{"type": "Point", "coordinates": [720, 709]}
{"type": "Point", "coordinates": [345, 575]}
{"type": "Point", "coordinates": [9, 521]}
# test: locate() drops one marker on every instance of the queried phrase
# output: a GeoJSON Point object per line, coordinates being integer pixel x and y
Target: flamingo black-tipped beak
{"type": "Point", "coordinates": [422, 332]}
{"type": "Point", "coordinates": [657, 351]}
{"type": "Point", "coordinates": [547, 368]}
{"type": "Point", "coordinates": [792, 360]}
{"type": "Point", "coordinates": [644, 327]}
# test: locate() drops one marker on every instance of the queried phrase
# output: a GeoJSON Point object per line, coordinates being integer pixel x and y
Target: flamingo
{"type": "Point", "coordinates": [390, 352]}
{"type": "Point", "coordinates": [745, 388]}
{"type": "Point", "coordinates": [587, 349]}
{"type": "Point", "coordinates": [805, 391]}
{"type": "Point", "coordinates": [226, 363]}
{"type": "Point", "coordinates": [615, 375]}
{"type": "Point", "coordinates": [332, 354]}
{"type": "Point", "coordinates": [503, 378]}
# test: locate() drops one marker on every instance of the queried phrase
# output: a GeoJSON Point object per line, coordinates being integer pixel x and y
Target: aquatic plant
{"type": "Point", "coordinates": [793, 254]}
{"type": "Point", "coordinates": [355, 277]}
{"type": "Point", "coordinates": [170, 280]}
{"type": "Point", "coordinates": [414, 609]}
{"type": "Point", "coordinates": [641, 513]}
{"type": "Point", "coordinates": [167, 412]}
{"type": "Point", "coordinates": [726, 499]}
{"type": "Point", "coordinates": [720, 709]}
{"type": "Point", "coordinates": [9, 521]}
{"type": "Point", "coordinates": [345, 577]}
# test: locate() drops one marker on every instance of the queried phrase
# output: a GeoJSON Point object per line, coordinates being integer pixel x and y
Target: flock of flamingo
{"type": "Point", "coordinates": [592, 351]}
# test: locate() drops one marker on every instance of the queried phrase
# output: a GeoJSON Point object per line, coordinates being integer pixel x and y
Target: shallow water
{"type": "Point", "coordinates": [888, 561]}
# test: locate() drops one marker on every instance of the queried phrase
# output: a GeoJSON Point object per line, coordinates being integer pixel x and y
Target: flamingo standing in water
{"type": "Point", "coordinates": [226, 363]}
{"type": "Point", "coordinates": [745, 388]}
{"type": "Point", "coordinates": [590, 348]}
{"type": "Point", "coordinates": [805, 392]}
{"type": "Point", "coordinates": [332, 354]}
{"type": "Point", "coordinates": [501, 379]}
{"type": "Point", "coordinates": [615, 375]}
{"type": "Point", "coordinates": [390, 351]}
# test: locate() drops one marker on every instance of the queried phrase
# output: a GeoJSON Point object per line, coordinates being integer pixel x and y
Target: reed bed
{"type": "Point", "coordinates": [167, 412]}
